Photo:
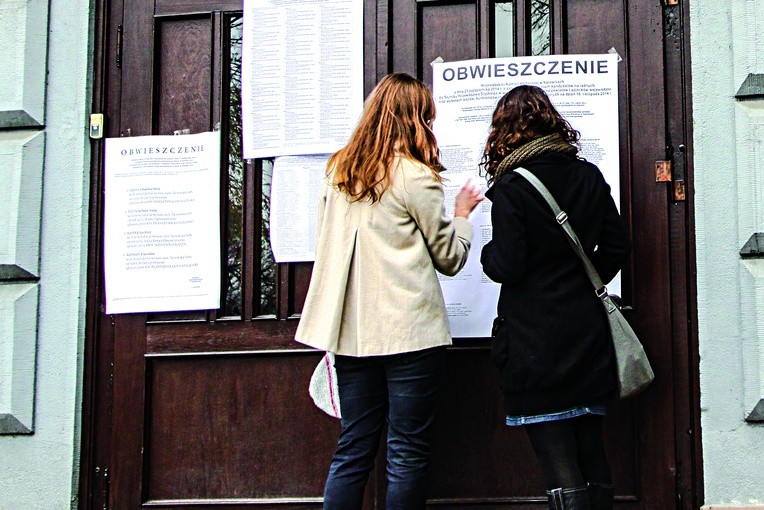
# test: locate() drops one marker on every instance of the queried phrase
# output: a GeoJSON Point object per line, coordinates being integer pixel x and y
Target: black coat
{"type": "Point", "coordinates": [552, 343]}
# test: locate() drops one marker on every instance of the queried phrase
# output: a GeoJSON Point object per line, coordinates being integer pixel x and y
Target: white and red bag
{"type": "Point", "coordinates": [323, 386]}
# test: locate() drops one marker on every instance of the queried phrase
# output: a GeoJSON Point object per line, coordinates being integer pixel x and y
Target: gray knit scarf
{"type": "Point", "coordinates": [536, 147]}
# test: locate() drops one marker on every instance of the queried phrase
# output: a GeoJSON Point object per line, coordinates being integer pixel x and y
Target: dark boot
{"type": "Point", "coordinates": [568, 499]}
{"type": "Point", "coordinates": [600, 496]}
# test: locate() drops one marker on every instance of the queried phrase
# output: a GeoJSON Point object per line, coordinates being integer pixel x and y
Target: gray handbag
{"type": "Point", "coordinates": [634, 370]}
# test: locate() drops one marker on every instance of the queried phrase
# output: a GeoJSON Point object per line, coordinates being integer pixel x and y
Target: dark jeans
{"type": "Point", "coordinates": [399, 388]}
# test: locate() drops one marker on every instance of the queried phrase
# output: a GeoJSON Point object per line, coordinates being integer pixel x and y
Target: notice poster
{"type": "Point", "coordinates": [302, 75]}
{"type": "Point", "coordinates": [584, 88]}
{"type": "Point", "coordinates": [161, 223]}
{"type": "Point", "coordinates": [295, 188]}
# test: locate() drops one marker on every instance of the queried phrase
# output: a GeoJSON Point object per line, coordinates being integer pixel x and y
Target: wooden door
{"type": "Point", "coordinates": [486, 463]}
{"type": "Point", "coordinates": [210, 409]}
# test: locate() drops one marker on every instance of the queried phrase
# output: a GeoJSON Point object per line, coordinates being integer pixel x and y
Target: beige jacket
{"type": "Point", "coordinates": [374, 289]}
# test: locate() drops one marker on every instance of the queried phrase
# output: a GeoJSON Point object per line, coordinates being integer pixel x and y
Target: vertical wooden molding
{"type": "Point", "coordinates": [484, 28]}
{"type": "Point", "coordinates": [522, 28]}
{"type": "Point", "coordinates": [559, 23]}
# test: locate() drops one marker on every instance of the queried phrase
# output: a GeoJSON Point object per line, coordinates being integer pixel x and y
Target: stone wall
{"type": "Point", "coordinates": [726, 47]}
{"type": "Point", "coordinates": [44, 168]}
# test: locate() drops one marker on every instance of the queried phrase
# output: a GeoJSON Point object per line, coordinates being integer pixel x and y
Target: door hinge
{"type": "Point", "coordinates": [118, 56]}
{"type": "Point", "coordinates": [102, 479]}
{"type": "Point", "coordinates": [663, 173]}
{"type": "Point", "coordinates": [679, 194]}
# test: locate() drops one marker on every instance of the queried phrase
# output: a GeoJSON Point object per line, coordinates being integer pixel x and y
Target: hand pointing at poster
{"type": "Point", "coordinates": [469, 196]}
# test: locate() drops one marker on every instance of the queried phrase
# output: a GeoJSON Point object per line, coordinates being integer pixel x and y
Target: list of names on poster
{"type": "Point", "coordinates": [295, 189]}
{"type": "Point", "coordinates": [302, 70]}
{"type": "Point", "coordinates": [161, 231]}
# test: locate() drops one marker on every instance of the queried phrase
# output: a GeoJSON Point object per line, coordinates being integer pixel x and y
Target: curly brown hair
{"type": "Point", "coordinates": [396, 120]}
{"type": "Point", "coordinates": [523, 114]}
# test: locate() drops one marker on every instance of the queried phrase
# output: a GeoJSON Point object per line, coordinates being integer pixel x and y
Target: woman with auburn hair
{"type": "Point", "coordinates": [551, 340]}
{"type": "Point", "coordinates": [374, 298]}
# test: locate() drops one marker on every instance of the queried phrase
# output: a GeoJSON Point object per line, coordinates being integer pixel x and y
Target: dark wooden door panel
{"type": "Point", "coordinates": [183, 73]}
{"type": "Point", "coordinates": [651, 295]}
{"type": "Point", "coordinates": [456, 20]}
{"type": "Point", "coordinates": [585, 35]}
{"type": "Point", "coordinates": [421, 31]}
{"type": "Point", "coordinates": [196, 6]}
{"type": "Point", "coordinates": [235, 426]}
{"type": "Point", "coordinates": [129, 387]}
{"type": "Point", "coordinates": [475, 455]}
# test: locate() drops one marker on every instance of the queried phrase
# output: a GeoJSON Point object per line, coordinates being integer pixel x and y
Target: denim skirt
{"type": "Point", "coordinates": [514, 421]}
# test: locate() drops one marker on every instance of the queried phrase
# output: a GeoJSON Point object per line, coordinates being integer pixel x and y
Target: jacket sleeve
{"type": "Point", "coordinates": [505, 257]}
{"type": "Point", "coordinates": [613, 244]}
{"type": "Point", "coordinates": [448, 240]}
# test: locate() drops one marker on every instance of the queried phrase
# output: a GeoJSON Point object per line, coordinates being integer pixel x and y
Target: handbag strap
{"type": "Point", "coordinates": [562, 219]}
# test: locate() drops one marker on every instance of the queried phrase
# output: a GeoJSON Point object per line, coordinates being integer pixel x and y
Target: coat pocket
{"type": "Point", "coordinates": [499, 344]}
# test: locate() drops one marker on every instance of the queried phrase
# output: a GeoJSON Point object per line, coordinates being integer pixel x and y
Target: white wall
{"type": "Point", "coordinates": [727, 45]}
{"type": "Point", "coordinates": [43, 229]}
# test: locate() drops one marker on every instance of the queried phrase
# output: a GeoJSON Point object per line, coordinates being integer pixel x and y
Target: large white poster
{"type": "Point", "coordinates": [161, 223]}
{"type": "Point", "coordinates": [584, 88]}
{"type": "Point", "coordinates": [302, 75]}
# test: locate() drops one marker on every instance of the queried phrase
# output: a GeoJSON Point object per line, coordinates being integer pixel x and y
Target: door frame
{"type": "Point", "coordinates": [679, 148]}
{"type": "Point", "coordinates": [93, 490]}
{"type": "Point", "coordinates": [98, 357]}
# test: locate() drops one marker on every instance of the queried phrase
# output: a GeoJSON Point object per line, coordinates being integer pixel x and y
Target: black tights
{"type": "Point", "coordinates": [571, 452]}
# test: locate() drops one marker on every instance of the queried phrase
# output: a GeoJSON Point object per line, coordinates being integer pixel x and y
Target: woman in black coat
{"type": "Point", "coordinates": [551, 341]}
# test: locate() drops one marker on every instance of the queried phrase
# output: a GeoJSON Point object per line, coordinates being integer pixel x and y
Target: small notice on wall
{"type": "Point", "coordinates": [161, 223]}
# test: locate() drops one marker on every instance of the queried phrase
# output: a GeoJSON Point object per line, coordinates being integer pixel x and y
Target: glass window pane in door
{"type": "Point", "coordinates": [504, 29]}
{"type": "Point", "coordinates": [235, 200]}
{"type": "Point", "coordinates": [541, 32]}
{"type": "Point", "coordinates": [268, 266]}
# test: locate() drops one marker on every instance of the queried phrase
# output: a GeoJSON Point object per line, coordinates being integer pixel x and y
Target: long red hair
{"type": "Point", "coordinates": [396, 119]}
